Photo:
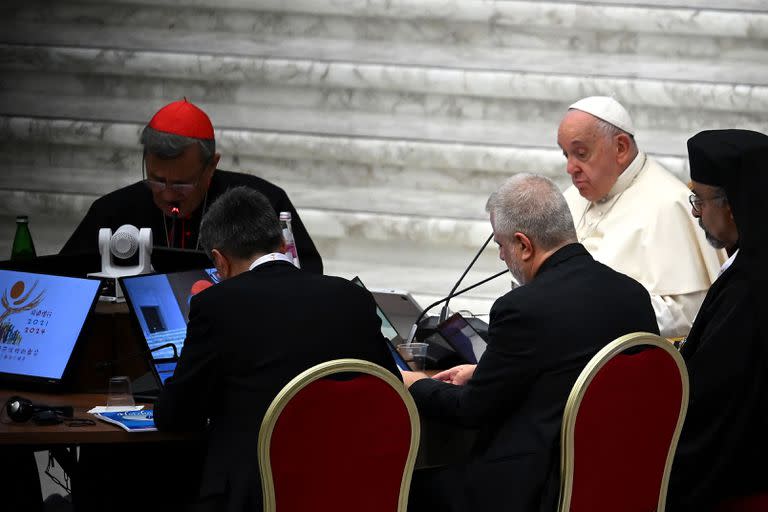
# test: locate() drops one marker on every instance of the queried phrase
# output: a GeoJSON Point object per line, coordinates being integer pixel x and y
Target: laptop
{"type": "Point", "coordinates": [389, 332]}
{"type": "Point", "coordinates": [463, 338]}
{"type": "Point", "coordinates": [399, 306]}
{"type": "Point", "coordinates": [42, 319]}
{"type": "Point", "coordinates": [159, 306]}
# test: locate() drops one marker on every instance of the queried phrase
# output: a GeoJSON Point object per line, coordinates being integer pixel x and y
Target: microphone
{"type": "Point", "coordinates": [111, 362]}
{"type": "Point", "coordinates": [175, 213]}
{"type": "Point", "coordinates": [415, 327]}
{"type": "Point", "coordinates": [444, 311]}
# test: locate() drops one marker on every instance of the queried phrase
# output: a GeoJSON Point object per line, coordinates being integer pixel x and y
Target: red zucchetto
{"type": "Point", "coordinates": [183, 118]}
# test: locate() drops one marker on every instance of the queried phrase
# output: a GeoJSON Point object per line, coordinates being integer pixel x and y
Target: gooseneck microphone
{"type": "Point", "coordinates": [449, 297]}
{"type": "Point", "coordinates": [444, 311]}
{"type": "Point", "coordinates": [175, 213]}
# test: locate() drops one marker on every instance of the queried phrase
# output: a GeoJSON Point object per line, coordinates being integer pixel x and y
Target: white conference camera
{"type": "Point", "coordinates": [123, 244]}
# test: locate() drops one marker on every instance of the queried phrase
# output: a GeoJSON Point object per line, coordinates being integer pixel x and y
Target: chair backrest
{"type": "Point", "coordinates": [751, 503]}
{"type": "Point", "coordinates": [621, 425]}
{"type": "Point", "coordinates": [342, 444]}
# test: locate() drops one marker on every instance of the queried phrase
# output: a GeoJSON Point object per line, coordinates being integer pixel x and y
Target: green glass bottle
{"type": "Point", "coordinates": [23, 247]}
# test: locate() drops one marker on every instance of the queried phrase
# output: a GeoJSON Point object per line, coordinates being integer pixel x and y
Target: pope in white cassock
{"type": "Point", "coordinates": [632, 214]}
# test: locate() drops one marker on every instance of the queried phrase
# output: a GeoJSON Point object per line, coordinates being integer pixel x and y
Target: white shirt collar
{"type": "Point", "coordinates": [728, 263]}
{"type": "Point", "coordinates": [626, 178]}
{"type": "Point", "coordinates": [273, 256]}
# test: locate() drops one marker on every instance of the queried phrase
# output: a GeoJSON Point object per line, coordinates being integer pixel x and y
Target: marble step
{"type": "Point", "coordinates": [54, 126]}
{"type": "Point", "coordinates": [414, 166]}
{"type": "Point", "coordinates": [114, 146]}
{"type": "Point", "coordinates": [440, 9]}
{"type": "Point", "coordinates": [343, 198]}
{"type": "Point", "coordinates": [311, 58]}
{"type": "Point", "coordinates": [394, 102]}
{"type": "Point", "coordinates": [734, 5]}
{"type": "Point", "coordinates": [670, 28]}
{"type": "Point", "coordinates": [326, 223]}
{"type": "Point", "coordinates": [356, 137]}
{"type": "Point", "coordinates": [658, 104]}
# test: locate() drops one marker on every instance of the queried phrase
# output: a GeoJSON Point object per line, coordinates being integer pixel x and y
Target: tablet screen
{"type": "Point", "coordinates": [463, 338]}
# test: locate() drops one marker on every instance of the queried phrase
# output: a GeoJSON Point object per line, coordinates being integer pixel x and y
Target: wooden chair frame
{"type": "Point", "coordinates": [600, 359]}
{"type": "Point", "coordinates": [307, 377]}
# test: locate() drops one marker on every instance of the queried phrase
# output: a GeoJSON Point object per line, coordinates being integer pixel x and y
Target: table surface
{"type": "Point", "coordinates": [28, 433]}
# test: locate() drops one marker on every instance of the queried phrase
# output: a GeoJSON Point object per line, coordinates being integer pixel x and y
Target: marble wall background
{"type": "Point", "coordinates": [388, 123]}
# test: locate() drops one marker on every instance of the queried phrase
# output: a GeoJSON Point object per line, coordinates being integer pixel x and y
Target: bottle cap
{"type": "Point", "coordinates": [285, 215]}
{"type": "Point", "coordinates": [22, 218]}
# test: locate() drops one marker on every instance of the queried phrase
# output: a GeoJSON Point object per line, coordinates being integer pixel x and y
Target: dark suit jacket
{"type": "Point", "coordinates": [723, 447]}
{"type": "Point", "coordinates": [134, 205]}
{"type": "Point", "coordinates": [541, 336]}
{"type": "Point", "coordinates": [246, 338]}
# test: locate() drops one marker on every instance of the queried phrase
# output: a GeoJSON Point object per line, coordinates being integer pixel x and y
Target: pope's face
{"type": "Point", "coordinates": [179, 182]}
{"type": "Point", "coordinates": [591, 157]}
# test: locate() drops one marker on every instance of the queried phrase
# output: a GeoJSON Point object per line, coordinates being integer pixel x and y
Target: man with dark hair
{"type": "Point", "coordinates": [250, 335]}
{"type": "Point", "coordinates": [541, 336]}
{"type": "Point", "coordinates": [181, 181]}
{"type": "Point", "coordinates": [723, 446]}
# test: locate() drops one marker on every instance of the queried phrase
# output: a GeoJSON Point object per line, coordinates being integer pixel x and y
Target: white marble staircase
{"type": "Point", "coordinates": [388, 122]}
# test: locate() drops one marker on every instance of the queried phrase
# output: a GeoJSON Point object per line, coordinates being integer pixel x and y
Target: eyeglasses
{"type": "Point", "coordinates": [177, 188]}
{"type": "Point", "coordinates": [697, 201]}
{"type": "Point", "coordinates": [181, 189]}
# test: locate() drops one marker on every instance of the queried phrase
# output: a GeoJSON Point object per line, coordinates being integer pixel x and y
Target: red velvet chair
{"type": "Point", "coordinates": [621, 425]}
{"type": "Point", "coordinates": [339, 445]}
{"type": "Point", "coordinates": [754, 503]}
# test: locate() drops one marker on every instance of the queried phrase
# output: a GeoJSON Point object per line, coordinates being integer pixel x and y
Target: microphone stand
{"type": "Point", "coordinates": [444, 311]}
{"type": "Point", "coordinates": [175, 216]}
{"type": "Point", "coordinates": [449, 297]}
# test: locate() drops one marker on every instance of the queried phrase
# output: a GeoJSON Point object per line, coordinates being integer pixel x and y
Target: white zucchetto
{"type": "Point", "coordinates": [607, 109]}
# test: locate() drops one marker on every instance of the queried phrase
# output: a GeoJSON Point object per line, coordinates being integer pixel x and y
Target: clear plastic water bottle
{"type": "Point", "coordinates": [23, 247]}
{"type": "Point", "coordinates": [290, 244]}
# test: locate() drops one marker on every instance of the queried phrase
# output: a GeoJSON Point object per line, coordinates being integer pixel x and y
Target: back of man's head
{"type": "Point", "coordinates": [241, 223]}
{"type": "Point", "coordinates": [177, 126]}
{"type": "Point", "coordinates": [532, 205]}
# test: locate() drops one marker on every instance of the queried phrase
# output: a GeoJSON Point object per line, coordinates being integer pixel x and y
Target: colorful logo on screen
{"type": "Point", "coordinates": [197, 287]}
{"type": "Point", "coordinates": [18, 299]}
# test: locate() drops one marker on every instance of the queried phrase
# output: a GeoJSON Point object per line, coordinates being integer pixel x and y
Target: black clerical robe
{"type": "Point", "coordinates": [724, 442]}
{"type": "Point", "coordinates": [134, 205]}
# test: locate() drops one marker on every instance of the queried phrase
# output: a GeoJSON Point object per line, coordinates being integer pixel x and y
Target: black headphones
{"type": "Point", "coordinates": [22, 409]}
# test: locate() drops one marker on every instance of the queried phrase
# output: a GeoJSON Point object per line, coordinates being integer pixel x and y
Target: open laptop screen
{"type": "Point", "coordinates": [41, 320]}
{"type": "Point", "coordinates": [389, 332]}
{"type": "Point", "coordinates": [160, 305]}
{"type": "Point", "coordinates": [401, 308]}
